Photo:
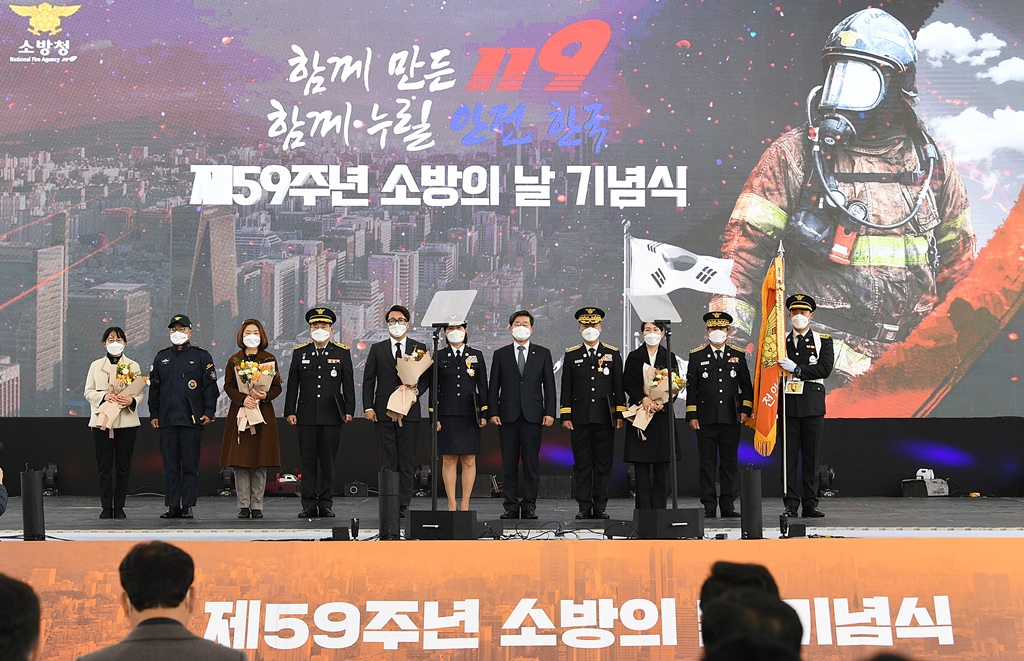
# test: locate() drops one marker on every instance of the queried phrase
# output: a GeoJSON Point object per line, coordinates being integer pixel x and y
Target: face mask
{"type": "Point", "coordinates": [590, 334]}
{"type": "Point", "coordinates": [251, 341]}
{"type": "Point", "coordinates": [115, 348]}
{"type": "Point", "coordinates": [320, 335]}
{"type": "Point", "coordinates": [521, 333]}
{"type": "Point", "coordinates": [178, 338]}
{"type": "Point", "coordinates": [800, 321]}
{"type": "Point", "coordinates": [652, 339]}
{"type": "Point", "coordinates": [718, 336]}
{"type": "Point", "coordinates": [396, 330]}
{"type": "Point", "coordinates": [456, 336]}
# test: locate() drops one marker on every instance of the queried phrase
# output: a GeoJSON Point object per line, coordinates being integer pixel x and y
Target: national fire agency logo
{"type": "Point", "coordinates": [45, 17]}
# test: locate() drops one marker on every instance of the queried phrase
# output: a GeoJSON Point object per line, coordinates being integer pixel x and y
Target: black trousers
{"type": "Point", "coordinates": [179, 447]}
{"type": "Point", "coordinates": [520, 441]}
{"type": "Point", "coordinates": [592, 448]}
{"type": "Point", "coordinates": [803, 440]}
{"type": "Point", "coordinates": [398, 453]}
{"type": "Point", "coordinates": [318, 448]}
{"type": "Point", "coordinates": [717, 447]}
{"type": "Point", "coordinates": [114, 464]}
{"type": "Point", "coordinates": [651, 485]}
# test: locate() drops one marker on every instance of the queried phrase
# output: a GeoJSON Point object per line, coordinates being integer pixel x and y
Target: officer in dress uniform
{"type": "Point", "coordinates": [592, 407]}
{"type": "Point", "coordinates": [719, 397]}
{"type": "Point", "coordinates": [182, 398]}
{"type": "Point", "coordinates": [810, 358]}
{"type": "Point", "coordinates": [321, 395]}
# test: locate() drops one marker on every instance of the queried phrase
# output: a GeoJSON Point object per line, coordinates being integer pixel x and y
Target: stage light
{"type": "Point", "coordinates": [227, 482]}
{"type": "Point", "coordinates": [422, 478]}
{"type": "Point", "coordinates": [826, 476]}
{"type": "Point", "coordinates": [50, 480]}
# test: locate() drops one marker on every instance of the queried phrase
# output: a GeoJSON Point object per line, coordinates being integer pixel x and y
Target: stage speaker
{"type": "Point", "coordinates": [921, 488]}
{"type": "Point", "coordinates": [356, 489]}
{"type": "Point", "coordinates": [388, 505]}
{"type": "Point", "coordinates": [750, 505]}
{"type": "Point", "coordinates": [441, 525]}
{"type": "Point", "coordinates": [32, 506]}
{"type": "Point", "coordinates": [556, 486]}
{"type": "Point", "coordinates": [669, 524]}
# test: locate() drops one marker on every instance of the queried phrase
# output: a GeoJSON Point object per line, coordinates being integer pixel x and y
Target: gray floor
{"type": "Point", "coordinates": [72, 517]}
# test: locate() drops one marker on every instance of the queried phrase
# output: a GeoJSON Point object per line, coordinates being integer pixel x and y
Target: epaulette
{"type": "Point", "coordinates": [302, 345]}
{"type": "Point", "coordinates": [825, 336]}
{"type": "Point", "coordinates": [736, 348]}
{"type": "Point", "coordinates": [700, 348]}
{"type": "Point", "coordinates": [573, 348]}
{"type": "Point", "coordinates": [608, 346]}
{"type": "Point", "coordinates": [339, 344]}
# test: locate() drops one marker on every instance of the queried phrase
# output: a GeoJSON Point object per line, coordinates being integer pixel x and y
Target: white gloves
{"type": "Point", "coordinates": [787, 364]}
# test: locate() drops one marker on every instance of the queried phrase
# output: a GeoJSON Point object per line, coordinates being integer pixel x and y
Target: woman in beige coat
{"type": "Point", "coordinates": [251, 454]}
{"type": "Point", "coordinates": [113, 454]}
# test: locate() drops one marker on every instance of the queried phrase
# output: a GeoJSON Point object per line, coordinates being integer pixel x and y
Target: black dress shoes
{"type": "Point", "coordinates": [107, 513]}
{"type": "Point", "coordinates": [173, 512]}
{"type": "Point", "coordinates": [186, 512]}
{"type": "Point", "coordinates": [709, 514]}
{"type": "Point", "coordinates": [510, 514]}
{"type": "Point", "coordinates": [308, 513]}
{"type": "Point", "coordinates": [326, 512]}
{"type": "Point", "coordinates": [119, 513]}
{"type": "Point", "coordinates": [813, 513]}
{"type": "Point", "coordinates": [600, 514]}
{"type": "Point", "coordinates": [528, 515]}
{"type": "Point", "coordinates": [244, 513]}
{"type": "Point", "coordinates": [731, 515]}
{"type": "Point", "coordinates": [791, 513]}
{"type": "Point", "coordinates": [582, 514]}
{"type": "Point", "coordinates": [257, 514]}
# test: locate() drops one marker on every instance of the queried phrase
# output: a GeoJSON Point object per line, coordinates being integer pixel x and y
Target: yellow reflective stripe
{"type": "Point", "coordinates": [566, 409]}
{"type": "Point", "coordinates": [620, 409]}
{"type": "Point", "coordinates": [951, 232]}
{"type": "Point", "coordinates": [483, 408]}
{"type": "Point", "coordinates": [891, 251]}
{"type": "Point", "coordinates": [748, 403]}
{"type": "Point", "coordinates": [849, 360]}
{"type": "Point", "coordinates": [761, 214]}
{"type": "Point", "coordinates": [692, 408]}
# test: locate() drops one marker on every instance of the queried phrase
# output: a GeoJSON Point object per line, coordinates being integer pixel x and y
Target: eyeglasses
{"type": "Point", "coordinates": [398, 321]}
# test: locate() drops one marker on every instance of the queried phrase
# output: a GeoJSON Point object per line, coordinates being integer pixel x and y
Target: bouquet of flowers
{"type": "Point", "coordinates": [410, 368]}
{"type": "Point", "coordinates": [656, 387]}
{"type": "Point", "coordinates": [125, 382]}
{"type": "Point", "coordinates": [252, 376]}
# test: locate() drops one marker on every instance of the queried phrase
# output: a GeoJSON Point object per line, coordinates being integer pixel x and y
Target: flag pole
{"type": "Point", "coordinates": [627, 313]}
{"type": "Point", "coordinates": [780, 294]}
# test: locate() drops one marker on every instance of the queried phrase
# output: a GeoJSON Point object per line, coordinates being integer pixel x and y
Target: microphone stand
{"type": "Point", "coordinates": [671, 414]}
{"type": "Point", "coordinates": [433, 419]}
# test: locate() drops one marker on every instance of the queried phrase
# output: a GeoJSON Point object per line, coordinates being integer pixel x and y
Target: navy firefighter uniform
{"type": "Point", "coordinates": [461, 399]}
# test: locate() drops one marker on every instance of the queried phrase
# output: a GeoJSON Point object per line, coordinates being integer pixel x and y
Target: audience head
{"type": "Point", "coordinates": [749, 647]}
{"type": "Point", "coordinates": [753, 614]}
{"type": "Point", "coordinates": [156, 578]}
{"type": "Point", "coordinates": [19, 621]}
{"type": "Point", "coordinates": [726, 576]}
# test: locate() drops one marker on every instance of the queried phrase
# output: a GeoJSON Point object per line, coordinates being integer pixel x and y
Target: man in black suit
{"type": "Point", "coordinates": [592, 407]}
{"type": "Point", "coordinates": [397, 443]}
{"type": "Point", "coordinates": [522, 397]}
{"type": "Point", "coordinates": [809, 361]}
{"type": "Point", "coordinates": [321, 395]}
{"type": "Point", "coordinates": [719, 397]}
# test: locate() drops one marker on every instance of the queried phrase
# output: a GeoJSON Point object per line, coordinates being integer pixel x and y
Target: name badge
{"type": "Point", "coordinates": [577, 362]}
{"type": "Point", "coordinates": [705, 362]}
{"type": "Point", "coordinates": [470, 359]}
{"type": "Point", "coordinates": [305, 362]}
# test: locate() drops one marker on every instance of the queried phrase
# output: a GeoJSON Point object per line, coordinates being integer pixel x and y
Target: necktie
{"type": "Point", "coordinates": [522, 359]}
{"type": "Point", "coordinates": [718, 357]}
{"type": "Point", "coordinates": [593, 353]}
{"type": "Point", "coordinates": [398, 351]}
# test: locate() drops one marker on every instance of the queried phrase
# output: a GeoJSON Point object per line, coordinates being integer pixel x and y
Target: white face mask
{"type": "Point", "coordinates": [652, 339]}
{"type": "Point", "coordinates": [178, 338]}
{"type": "Point", "coordinates": [799, 321]}
{"type": "Point", "coordinates": [115, 348]}
{"type": "Point", "coordinates": [320, 335]}
{"type": "Point", "coordinates": [521, 333]}
{"type": "Point", "coordinates": [396, 330]}
{"type": "Point", "coordinates": [251, 341]}
{"type": "Point", "coordinates": [456, 336]}
{"type": "Point", "coordinates": [590, 334]}
{"type": "Point", "coordinates": [718, 336]}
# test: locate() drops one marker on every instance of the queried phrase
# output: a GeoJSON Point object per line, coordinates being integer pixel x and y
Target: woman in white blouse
{"type": "Point", "coordinates": [113, 454]}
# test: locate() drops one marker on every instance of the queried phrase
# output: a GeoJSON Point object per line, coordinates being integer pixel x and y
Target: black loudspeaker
{"type": "Point", "coordinates": [356, 489]}
{"type": "Point", "coordinates": [556, 486]}
{"type": "Point", "coordinates": [426, 524]}
{"type": "Point", "coordinates": [669, 524]}
{"type": "Point", "coordinates": [32, 506]}
{"type": "Point", "coordinates": [388, 505]}
{"type": "Point", "coordinates": [750, 505]}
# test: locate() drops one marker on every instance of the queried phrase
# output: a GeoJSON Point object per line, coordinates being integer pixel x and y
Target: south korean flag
{"type": "Point", "coordinates": [659, 268]}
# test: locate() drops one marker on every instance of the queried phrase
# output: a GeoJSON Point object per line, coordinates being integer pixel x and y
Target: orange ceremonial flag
{"type": "Point", "coordinates": [771, 344]}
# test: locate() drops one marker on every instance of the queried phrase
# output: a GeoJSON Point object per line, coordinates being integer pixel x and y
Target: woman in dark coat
{"type": "Point", "coordinates": [650, 457]}
{"type": "Point", "coordinates": [251, 454]}
{"type": "Point", "coordinates": [462, 409]}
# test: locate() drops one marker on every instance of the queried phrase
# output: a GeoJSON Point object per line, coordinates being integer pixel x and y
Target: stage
{"type": "Point", "coordinates": [76, 518]}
